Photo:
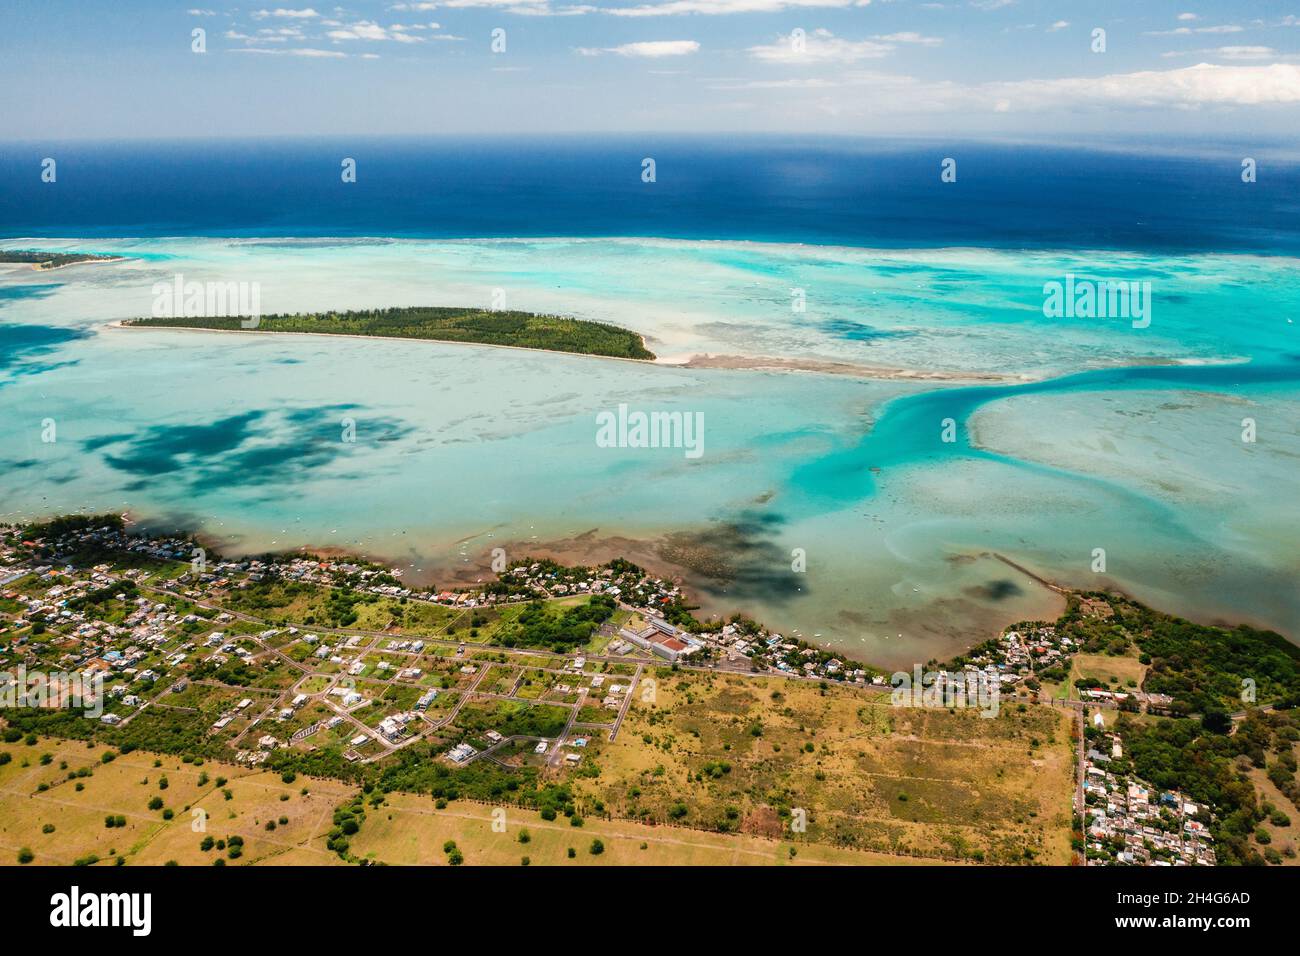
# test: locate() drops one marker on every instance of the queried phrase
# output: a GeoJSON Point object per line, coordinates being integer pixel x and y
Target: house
{"type": "Point", "coordinates": [461, 752]}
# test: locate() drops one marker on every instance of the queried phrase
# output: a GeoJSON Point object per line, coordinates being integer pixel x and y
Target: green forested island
{"type": "Point", "coordinates": [552, 333]}
{"type": "Point", "coordinates": [40, 259]}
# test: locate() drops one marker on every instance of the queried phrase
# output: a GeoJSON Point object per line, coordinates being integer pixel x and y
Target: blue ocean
{"type": "Point", "coordinates": [832, 308]}
{"type": "Point", "coordinates": [885, 194]}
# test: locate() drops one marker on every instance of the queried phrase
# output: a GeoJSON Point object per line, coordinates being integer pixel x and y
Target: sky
{"type": "Point", "coordinates": [1028, 69]}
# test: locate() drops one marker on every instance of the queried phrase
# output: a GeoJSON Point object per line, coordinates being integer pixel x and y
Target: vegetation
{"type": "Point", "coordinates": [70, 524]}
{"type": "Point", "coordinates": [1204, 669]}
{"type": "Point", "coordinates": [541, 626]}
{"type": "Point", "coordinates": [51, 260]}
{"type": "Point", "coordinates": [1219, 771]}
{"type": "Point", "coordinates": [552, 333]}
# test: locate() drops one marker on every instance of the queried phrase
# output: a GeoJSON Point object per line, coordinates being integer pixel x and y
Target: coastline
{"type": "Point", "coordinates": [42, 267]}
{"type": "Point", "coordinates": [716, 361]}
{"type": "Point", "coordinates": [593, 548]}
{"type": "Point", "coordinates": [124, 324]}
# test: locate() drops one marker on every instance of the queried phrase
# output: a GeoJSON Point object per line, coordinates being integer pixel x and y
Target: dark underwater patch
{"type": "Point", "coordinates": [22, 347]}
{"type": "Point", "coordinates": [257, 448]}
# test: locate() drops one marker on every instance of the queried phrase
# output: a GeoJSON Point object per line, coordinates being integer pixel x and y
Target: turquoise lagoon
{"type": "Point", "coordinates": [1070, 435]}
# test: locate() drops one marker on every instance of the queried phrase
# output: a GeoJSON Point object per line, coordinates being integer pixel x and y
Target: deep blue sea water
{"type": "Point", "coordinates": [831, 191]}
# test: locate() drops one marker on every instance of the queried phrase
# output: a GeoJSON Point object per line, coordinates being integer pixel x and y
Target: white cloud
{"type": "Point", "coordinates": [1231, 52]}
{"type": "Point", "coordinates": [1193, 87]}
{"type": "Point", "coordinates": [820, 46]}
{"type": "Point", "coordinates": [286, 14]}
{"type": "Point", "coordinates": [669, 8]}
{"type": "Point", "coordinates": [298, 51]}
{"type": "Point", "coordinates": [652, 49]}
{"type": "Point", "coordinates": [657, 8]}
{"type": "Point", "coordinates": [1204, 84]}
{"type": "Point", "coordinates": [1188, 31]}
{"type": "Point", "coordinates": [794, 83]}
{"type": "Point", "coordinates": [1058, 25]}
{"type": "Point", "coordinates": [510, 6]}
{"type": "Point", "coordinates": [1188, 16]}
{"type": "Point", "coordinates": [369, 30]}
{"type": "Point", "coordinates": [908, 36]}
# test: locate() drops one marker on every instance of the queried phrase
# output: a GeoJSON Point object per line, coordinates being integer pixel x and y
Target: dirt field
{"type": "Point", "coordinates": [125, 787]}
{"type": "Point", "coordinates": [838, 775]}
{"type": "Point", "coordinates": [409, 830]}
{"type": "Point", "coordinates": [745, 754]}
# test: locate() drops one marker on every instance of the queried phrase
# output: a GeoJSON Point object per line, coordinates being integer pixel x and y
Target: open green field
{"type": "Point", "coordinates": [1125, 672]}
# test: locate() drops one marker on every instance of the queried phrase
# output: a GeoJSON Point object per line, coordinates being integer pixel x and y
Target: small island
{"type": "Point", "coordinates": [44, 261]}
{"type": "Point", "coordinates": [552, 333]}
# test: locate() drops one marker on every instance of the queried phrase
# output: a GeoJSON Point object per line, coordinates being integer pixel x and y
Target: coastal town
{"type": "Point", "coordinates": [173, 625]}
{"type": "Point", "coordinates": [337, 661]}
{"type": "Point", "coordinates": [1130, 822]}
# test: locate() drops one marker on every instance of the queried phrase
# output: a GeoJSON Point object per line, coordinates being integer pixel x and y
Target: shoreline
{"type": "Point", "coordinates": [46, 267]}
{"type": "Point", "coordinates": [122, 324]}
{"type": "Point", "coordinates": [592, 548]}
{"type": "Point", "coordinates": [715, 362]}
{"type": "Point", "coordinates": [42, 267]}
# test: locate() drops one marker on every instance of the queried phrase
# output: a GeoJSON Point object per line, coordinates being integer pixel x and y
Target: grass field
{"type": "Point", "coordinates": [1105, 669]}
